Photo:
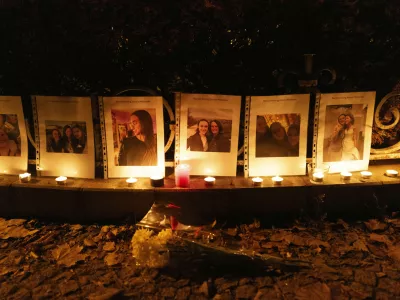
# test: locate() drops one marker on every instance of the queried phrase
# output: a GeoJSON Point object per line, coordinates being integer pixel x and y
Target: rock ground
{"type": "Point", "coordinates": [64, 261]}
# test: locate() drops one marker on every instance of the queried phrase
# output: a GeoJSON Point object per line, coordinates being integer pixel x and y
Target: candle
{"type": "Point", "coordinates": [318, 177]}
{"type": "Point", "coordinates": [182, 175]}
{"type": "Point", "coordinates": [366, 174]}
{"type": "Point", "coordinates": [61, 180]}
{"type": "Point", "coordinates": [209, 181]}
{"type": "Point", "coordinates": [345, 175]}
{"type": "Point", "coordinates": [131, 181]}
{"type": "Point", "coordinates": [391, 173]}
{"type": "Point", "coordinates": [157, 181]}
{"type": "Point", "coordinates": [257, 181]}
{"type": "Point", "coordinates": [25, 177]}
{"type": "Point", "coordinates": [277, 180]}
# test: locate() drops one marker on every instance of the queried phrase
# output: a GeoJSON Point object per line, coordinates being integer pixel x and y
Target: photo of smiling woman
{"type": "Point", "coordinates": [66, 137]}
{"type": "Point", "coordinates": [209, 135]}
{"type": "Point", "coordinates": [139, 148]}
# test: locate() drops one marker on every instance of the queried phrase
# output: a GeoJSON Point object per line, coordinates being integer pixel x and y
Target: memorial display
{"type": "Point", "coordinates": [208, 133]}
{"type": "Point", "coordinates": [344, 131]}
{"type": "Point", "coordinates": [277, 135]}
{"type": "Point", "coordinates": [13, 141]}
{"type": "Point", "coordinates": [134, 131]}
{"type": "Point", "coordinates": [65, 131]}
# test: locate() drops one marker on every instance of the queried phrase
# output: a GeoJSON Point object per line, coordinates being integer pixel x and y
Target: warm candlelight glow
{"type": "Point", "coordinates": [131, 181]}
{"type": "Point", "coordinates": [318, 177]}
{"type": "Point", "coordinates": [277, 180]}
{"type": "Point", "coordinates": [182, 175]}
{"type": "Point", "coordinates": [25, 177]}
{"type": "Point", "coordinates": [61, 180]}
{"type": "Point", "coordinates": [391, 173]}
{"type": "Point", "coordinates": [366, 174]}
{"type": "Point", "coordinates": [257, 181]}
{"type": "Point", "coordinates": [209, 181]}
{"type": "Point", "coordinates": [345, 175]}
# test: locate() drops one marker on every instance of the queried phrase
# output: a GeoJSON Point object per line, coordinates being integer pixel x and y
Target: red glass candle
{"type": "Point", "coordinates": [182, 176]}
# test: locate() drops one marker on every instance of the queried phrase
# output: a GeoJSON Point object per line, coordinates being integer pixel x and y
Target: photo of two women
{"type": "Point", "coordinates": [207, 134]}
{"type": "Point", "coordinates": [278, 135]}
{"type": "Point", "coordinates": [344, 132]}
{"type": "Point", "coordinates": [135, 137]}
{"type": "Point", "coordinates": [66, 137]}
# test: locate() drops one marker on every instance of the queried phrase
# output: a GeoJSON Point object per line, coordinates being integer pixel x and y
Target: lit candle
{"type": "Point", "coordinates": [257, 181]}
{"type": "Point", "coordinates": [209, 181]}
{"type": "Point", "coordinates": [131, 181]}
{"type": "Point", "coordinates": [391, 173]}
{"type": "Point", "coordinates": [157, 181]}
{"type": "Point", "coordinates": [345, 175]}
{"type": "Point", "coordinates": [25, 177]}
{"type": "Point", "coordinates": [61, 180]}
{"type": "Point", "coordinates": [182, 175]}
{"type": "Point", "coordinates": [318, 177]}
{"type": "Point", "coordinates": [277, 180]}
{"type": "Point", "coordinates": [366, 174]}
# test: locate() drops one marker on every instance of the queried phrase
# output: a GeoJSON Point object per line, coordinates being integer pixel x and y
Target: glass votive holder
{"type": "Point", "coordinates": [209, 181]}
{"type": "Point", "coordinates": [257, 181]}
{"type": "Point", "coordinates": [345, 175]}
{"type": "Point", "coordinates": [131, 181]}
{"type": "Point", "coordinates": [391, 173]}
{"type": "Point", "coordinates": [25, 177]}
{"type": "Point", "coordinates": [182, 175]}
{"type": "Point", "coordinates": [277, 180]}
{"type": "Point", "coordinates": [366, 175]}
{"type": "Point", "coordinates": [317, 175]}
{"type": "Point", "coordinates": [61, 180]}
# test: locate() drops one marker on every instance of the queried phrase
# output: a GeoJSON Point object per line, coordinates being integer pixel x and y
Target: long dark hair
{"type": "Point", "coordinates": [83, 138]}
{"type": "Point", "coordinates": [272, 131]}
{"type": "Point", "coordinates": [198, 124]}
{"type": "Point", "coordinates": [220, 128]}
{"type": "Point", "coordinates": [351, 117]}
{"type": "Point", "coordinates": [59, 134]}
{"type": "Point", "coordinates": [146, 124]}
{"type": "Point", "coordinates": [65, 130]}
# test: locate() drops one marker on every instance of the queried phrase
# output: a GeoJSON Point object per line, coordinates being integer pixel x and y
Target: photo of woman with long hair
{"type": "Point", "coordinates": [140, 149]}
{"type": "Point", "coordinates": [78, 139]}
{"type": "Point", "coordinates": [349, 150]}
{"type": "Point", "coordinates": [66, 137]}
{"type": "Point", "coordinates": [199, 141]}
{"type": "Point", "coordinates": [56, 142]}
{"type": "Point", "coordinates": [218, 141]}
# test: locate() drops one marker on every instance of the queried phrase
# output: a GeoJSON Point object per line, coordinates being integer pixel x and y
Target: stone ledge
{"type": "Point", "coordinates": [101, 200]}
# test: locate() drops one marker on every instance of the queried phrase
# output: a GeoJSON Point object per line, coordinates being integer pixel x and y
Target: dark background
{"type": "Point", "coordinates": [248, 47]}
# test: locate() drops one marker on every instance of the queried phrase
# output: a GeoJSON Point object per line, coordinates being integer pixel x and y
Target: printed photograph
{"type": "Point", "coordinates": [277, 135]}
{"type": "Point", "coordinates": [344, 132]}
{"type": "Point", "coordinates": [134, 137]}
{"type": "Point", "coordinates": [209, 130]}
{"type": "Point", "coordinates": [66, 137]}
{"type": "Point", "coordinates": [10, 139]}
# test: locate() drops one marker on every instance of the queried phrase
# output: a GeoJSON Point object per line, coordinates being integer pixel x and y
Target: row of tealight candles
{"type": "Point", "coordinates": [182, 178]}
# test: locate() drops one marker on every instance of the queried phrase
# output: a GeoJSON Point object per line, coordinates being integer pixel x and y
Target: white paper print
{"type": "Point", "coordinates": [209, 131]}
{"type": "Point", "coordinates": [344, 131]}
{"type": "Point", "coordinates": [13, 141]}
{"type": "Point", "coordinates": [66, 136]}
{"type": "Point", "coordinates": [135, 136]}
{"type": "Point", "coordinates": [278, 135]}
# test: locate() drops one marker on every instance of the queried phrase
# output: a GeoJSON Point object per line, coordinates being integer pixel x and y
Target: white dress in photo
{"type": "Point", "coordinates": [349, 150]}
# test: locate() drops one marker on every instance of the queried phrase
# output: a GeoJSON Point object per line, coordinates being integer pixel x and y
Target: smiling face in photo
{"type": "Point", "coordinates": [214, 128]}
{"type": "Point", "coordinates": [203, 127]}
{"type": "Point", "coordinates": [135, 125]}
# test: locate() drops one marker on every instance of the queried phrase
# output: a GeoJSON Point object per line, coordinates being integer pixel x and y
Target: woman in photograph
{"type": "Point", "coordinates": [199, 141]}
{"type": "Point", "coordinates": [263, 137]}
{"type": "Point", "coordinates": [349, 149]}
{"type": "Point", "coordinates": [7, 147]}
{"type": "Point", "coordinates": [140, 149]}
{"type": "Point", "coordinates": [279, 145]}
{"type": "Point", "coordinates": [336, 140]}
{"type": "Point", "coordinates": [67, 138]}
{"type": "Point", "coordinates": [78, 140]}
{"type": "Point", "coordinates": [56, 142]}
{"type": "Point", "coordinates": [293, 134]}
{"type": "Point", "coordinates": [218, 141]}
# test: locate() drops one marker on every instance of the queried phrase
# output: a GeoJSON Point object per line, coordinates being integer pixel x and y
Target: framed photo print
{"type": "Point", "coordinates": [66, 140]}
{"type": "Point", "coordinates": [277, 135]}
{"type": "Point", "coordinates": [13, 141]}
{"type": "Point", "coordinates": [209, 133]}
{"type": "Point", "coordinates": [344, 131]}
{"type": "Point", "coordinates": [134, 130]}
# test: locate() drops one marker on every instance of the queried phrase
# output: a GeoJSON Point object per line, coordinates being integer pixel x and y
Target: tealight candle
{"type": "Point", "coordinates": [391, 173]}
{"type": "Point", "coordinates": [345, 175]}
{"type": "Point", "coordinates": [25, 177]}
{"type": "Point", "coordinates": [209, 181]}
{"type": "Point", "coordinates": [318, 177]}
{"type": "Point", "coordinates": [366, 174]}
{"type": "Point", "coordinates": [257, 181]}
{"type": "Point", "coordinates": [277, 180]}
{"type": "Point", "coordinates": [131, 181]}
{"type": "Point", "coordinates": [61, 180]}
{"type": "Point", "coordinates": [182, 175]}
{"type": "Point", "coordinates": [157, 181]}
